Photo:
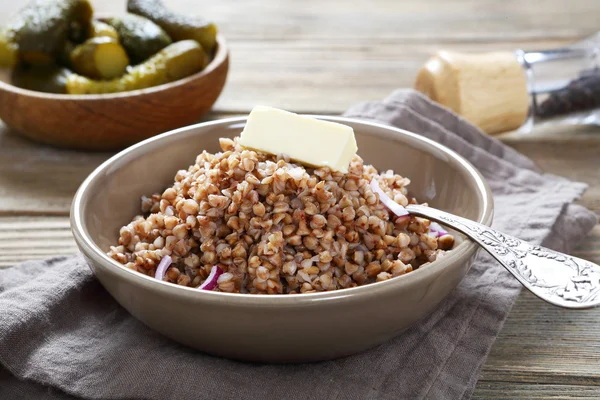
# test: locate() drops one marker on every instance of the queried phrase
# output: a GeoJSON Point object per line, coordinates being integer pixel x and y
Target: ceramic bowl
{"type": "Point", "coordinates": [115, 120]}
{"type": "Point", "coordinates": [277, 328]}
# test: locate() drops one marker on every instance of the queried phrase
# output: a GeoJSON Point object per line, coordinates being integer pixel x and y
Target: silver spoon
{"type": "Point", "coordinates": [554, 277]}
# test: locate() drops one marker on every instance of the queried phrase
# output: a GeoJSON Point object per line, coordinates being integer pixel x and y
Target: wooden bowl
{"type": "Point", "coordinates": [112, 121]}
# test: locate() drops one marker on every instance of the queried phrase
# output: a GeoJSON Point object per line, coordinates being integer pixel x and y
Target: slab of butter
{"type": "Point", "coordinates": [307, 140]}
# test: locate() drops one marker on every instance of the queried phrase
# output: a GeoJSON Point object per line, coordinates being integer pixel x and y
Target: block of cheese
{"type": "Point", "coordinates": [304, 139]}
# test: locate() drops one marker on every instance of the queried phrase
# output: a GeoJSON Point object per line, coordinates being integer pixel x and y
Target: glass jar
{"type": "Point", "coordinates": [564, 84]}
{"type": "Point", "coordinates": [506, 91]}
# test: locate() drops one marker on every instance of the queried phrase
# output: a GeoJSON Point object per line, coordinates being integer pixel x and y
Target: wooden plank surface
{"type": "Point", "coordinates": [514, 391]}
{"type": "Point", "coordinates": [384, 20]}
{"type": "Point", "coordinates": [321, 57]}
{"type": "Point", "coordinates": [546, 345]}
{"type": "Point", "coordinates": [38, 180]}
{"type": "Point", "coordinates": [29, 237]}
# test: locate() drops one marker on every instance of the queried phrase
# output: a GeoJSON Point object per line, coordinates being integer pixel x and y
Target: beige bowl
{"type": "Point", "coordinates": [276, 328]}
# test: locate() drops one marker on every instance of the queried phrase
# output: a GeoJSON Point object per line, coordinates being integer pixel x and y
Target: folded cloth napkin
{"type": "Point", "coordinates": [62, 336]}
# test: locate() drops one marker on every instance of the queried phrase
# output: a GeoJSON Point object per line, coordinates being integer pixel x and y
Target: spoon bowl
{"type": "Point", "coordinates": [558, 278]}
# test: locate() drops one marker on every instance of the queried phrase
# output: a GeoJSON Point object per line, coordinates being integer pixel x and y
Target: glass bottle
{"type": "Point", "coordinates": [564, 84]}
{"type": "Point", "coordinates": [505, 91]}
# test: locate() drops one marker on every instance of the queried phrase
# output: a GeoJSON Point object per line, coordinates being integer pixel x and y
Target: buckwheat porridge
{"type": "Point", "coordinates": [243, 221]}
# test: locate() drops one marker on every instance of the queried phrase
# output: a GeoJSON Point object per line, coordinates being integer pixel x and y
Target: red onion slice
{"type": "Point", "coordinates": [437, 228]}
{"type": "Point", "coordinates": [211, 282]}
{"type": "Point", "coordinates": [387, 201]}
{"type": "Point", "coordinates": [162, 267]}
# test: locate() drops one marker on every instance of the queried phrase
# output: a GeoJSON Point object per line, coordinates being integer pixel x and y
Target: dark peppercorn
{"type": "Point", "coordinates": [580, 94]}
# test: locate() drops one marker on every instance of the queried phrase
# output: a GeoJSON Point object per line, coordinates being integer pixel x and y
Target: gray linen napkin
{"type": "Point", "coordinates": [62, 336]}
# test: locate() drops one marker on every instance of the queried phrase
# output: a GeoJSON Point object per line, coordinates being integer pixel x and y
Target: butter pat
{"type": "Point", "coordinates": [306, 140]}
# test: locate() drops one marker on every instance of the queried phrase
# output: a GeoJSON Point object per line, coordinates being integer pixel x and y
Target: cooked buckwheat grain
{"type": "Point", "coordinates": [274, 226]}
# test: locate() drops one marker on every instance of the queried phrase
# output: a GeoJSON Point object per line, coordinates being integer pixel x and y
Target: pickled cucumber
{"type": "Point", "coordinates": [78, 33]}
{"type": "Point", "coordinates": [40, 29]}
{"type": "Point", "coordinates": [100, 58]}
{"type": "Point", "coordinates": [178, 26]}
{"type": "Point", "coordinates": [49, 79]}
{"type": "Point", "coordinates": [140, 37]}
{"type": "Point", "coordinates": [64, 58]}
{"type": "Point", "coordinates": [174, 62]}
{"type": "Point", "coordinates": [9, 51]}
{"type": "Point", "coordinates": [102, 29]}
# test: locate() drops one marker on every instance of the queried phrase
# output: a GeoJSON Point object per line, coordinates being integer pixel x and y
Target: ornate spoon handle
{"type": "Point", "coordinates": [555, 277]}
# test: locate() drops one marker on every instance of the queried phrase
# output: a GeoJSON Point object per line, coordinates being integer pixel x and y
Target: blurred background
{"type": "Point", "coordinates": [325, 55]}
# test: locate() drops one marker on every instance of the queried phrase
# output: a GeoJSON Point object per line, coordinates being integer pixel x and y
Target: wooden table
{"type": "Point", "coordinates": [321, 57]}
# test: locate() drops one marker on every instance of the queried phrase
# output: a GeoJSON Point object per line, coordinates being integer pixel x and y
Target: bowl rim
{"type": "Point", "coordinates": [93, 252]}
{"type": "Point", "coordinates": [221, 57]}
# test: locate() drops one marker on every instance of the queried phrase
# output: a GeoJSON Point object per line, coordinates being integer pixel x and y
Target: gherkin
{"type": "Point", "coordinates": [174, 62]}
{"type": "Point", "coordinates": [48, 79]}
{"type": "Point", "coordinates": [178, 26]}
{"type": "Point", "coordinates": [140, 37]}
{"type": "Point", "coordinates": [100, 58]}
{"type": "Point", "coordinates": [102, 29]}
{"type": "Point", "coordinates": [37, 33]}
